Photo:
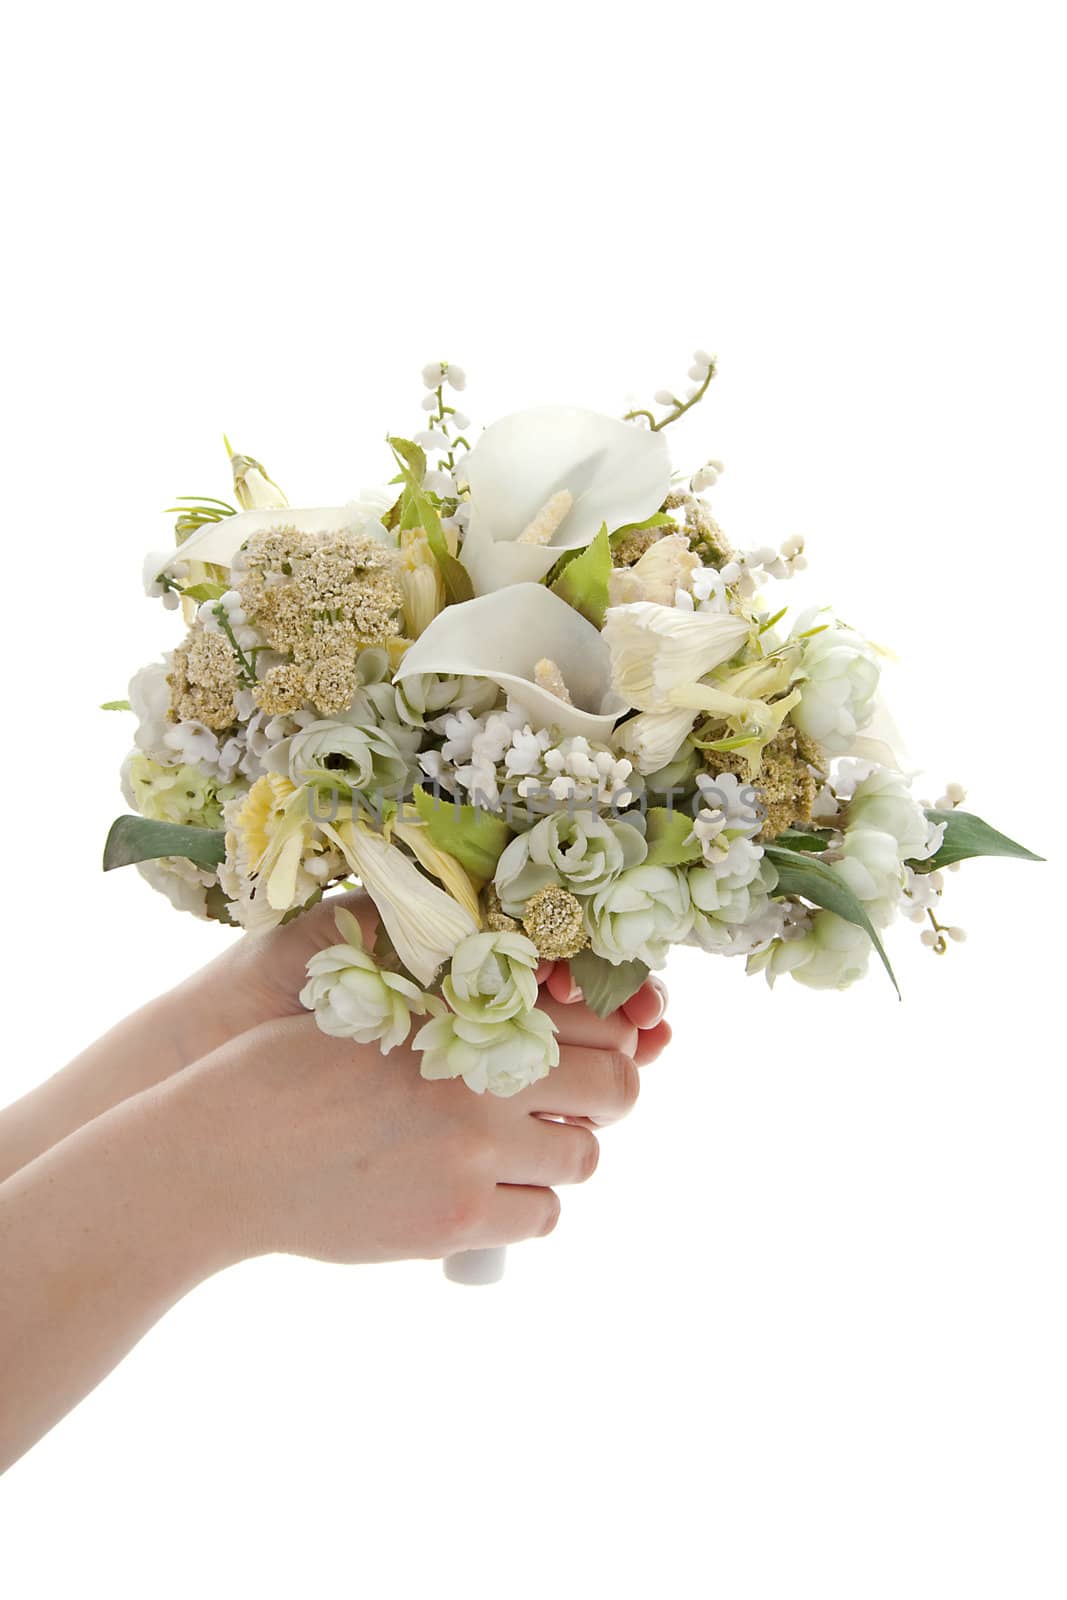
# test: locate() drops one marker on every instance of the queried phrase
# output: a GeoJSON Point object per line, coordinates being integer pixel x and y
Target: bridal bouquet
{"type": "Point", "coordinates": [529, 696]}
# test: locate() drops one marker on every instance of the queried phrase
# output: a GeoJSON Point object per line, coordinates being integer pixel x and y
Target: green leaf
{"type": "Point", "coordinates": [583, 583]}
{"type": "Point", "coordinates": [810, 879]}
{"type": "Point", "coordinates": [116, 705]}
{"type": "Point", "coordinates": [475, 837]}
{"type": "Point", "coordinates": [133, 839]}
{"type": "Point", "coordinates": [204, 591]}
{"type": "Point", "coordinates": [966, 836]}
{"type": "Point", "coordinates": [659, 520]}
{"type": "Point", "coordinates": [802, 839]}
{"type": "Point", "coordinates": [420, 512]}
{"type": "Point", "coordinates": [605, 987]}
{"type": "Point", "coordinates": [667, 832]}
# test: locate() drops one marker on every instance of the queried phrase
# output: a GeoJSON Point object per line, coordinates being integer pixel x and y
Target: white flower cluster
{"type": "Point", "coordinates": [482, 756]}
{"type": "Point", "coordinates": [877, 829]}
{"type": "Point", "coordinates": [546, 621]}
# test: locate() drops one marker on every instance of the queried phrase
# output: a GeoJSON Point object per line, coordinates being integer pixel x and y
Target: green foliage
{"type": "Point", "coordinates": [605, 987]}
{"type": "Point", "coordinates": [475, 837]}
{"type": "Point", "coordinates": [803, 839]}
{"type": "Point", "coordinates": [966, 836]}
{"type": "Point", "coordinates": [810, 879]}
{"type": "Point", "coordinates": [115, 705]}
{"type": "Point", "coordinates": [418, 511]}
{"type": "Point", "coordinates": [133, 839]}
{"type": "Point", "coordinates": [659, 520]}
{"type": "Point", "coordinates": [667, 832]}
{"type": "Point", "coordinates": [204, 591]}
{"type": "Point", "coordinates": [583, 582]}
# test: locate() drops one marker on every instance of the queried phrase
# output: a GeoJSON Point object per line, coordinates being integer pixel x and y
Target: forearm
{"type": "Point", "coordinates": [98, 1238]}
{"type": "Point", "coordinates": [148, 1046]}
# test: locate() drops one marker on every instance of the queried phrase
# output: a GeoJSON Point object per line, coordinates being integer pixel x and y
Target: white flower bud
{"type": "Point", "coordinates": [433, 375]}
{"type": "Point", "coordinates": [664, 397]}
{"type": "Point", "coordinates": [455, 376]}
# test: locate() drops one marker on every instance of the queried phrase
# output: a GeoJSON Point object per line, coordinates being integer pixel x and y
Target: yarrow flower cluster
{"type": "Point", "coordinates": [533, 701]}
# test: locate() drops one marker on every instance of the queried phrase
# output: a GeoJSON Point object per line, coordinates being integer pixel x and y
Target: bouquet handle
{"type": "Point", "coordinates": [476, 1266]}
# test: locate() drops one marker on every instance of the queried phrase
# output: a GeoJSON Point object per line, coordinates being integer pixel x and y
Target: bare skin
{"type": "Point", "coordinates": [255, 981]}
{"type": "Point", "coordinates": [219, 1124]}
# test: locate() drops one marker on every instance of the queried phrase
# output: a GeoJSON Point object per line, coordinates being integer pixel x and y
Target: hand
{"type": "Point", "coordinates": [329, 1149]}
{"type": "Point", "coordinates": [282, 1139]}
{"type": "Point", "coordinates": [257, 980]}
{"type": "Point", "coordinates": [260, 979]}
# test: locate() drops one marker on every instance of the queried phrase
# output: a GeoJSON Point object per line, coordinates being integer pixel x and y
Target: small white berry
{"type": "Point", "coordinates": [460, 421]}
{"type": "Point", "coordinates": [455, 376]}
{"type": "Point", "coordinates": [433, 374]}
{"type": "Point", "coordinates": [664, 397]}
{"type": "Point", "coordinates": [958, 934]}
{"type": "Point", "coordinates": [170, 600]}
{"type": "Point", "coordinates": [429, 402]}
{"type": "Point", "coordinates": [702, 359]}
{"type": "Point", "coordinates": [697, 372]}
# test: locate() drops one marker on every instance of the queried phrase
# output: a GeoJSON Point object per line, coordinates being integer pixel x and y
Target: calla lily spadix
{"type": "Point", "coordinates": [504, 636]}
{"type": "Point", "coordinates": [218, 542]}
{"type": "Point", "coordinates": [546, 480]}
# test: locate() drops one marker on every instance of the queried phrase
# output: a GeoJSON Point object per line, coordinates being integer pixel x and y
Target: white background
{"type": "Point", "coordinates": [805, 1332]}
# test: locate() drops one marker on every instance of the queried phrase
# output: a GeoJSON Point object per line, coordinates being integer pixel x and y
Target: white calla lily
{"type": "Point", "coordinates": [506, 637]}
{"type": "Point", "coordinates": [218, 542]}
{"type": "Point", "coordinates": [546, 480]}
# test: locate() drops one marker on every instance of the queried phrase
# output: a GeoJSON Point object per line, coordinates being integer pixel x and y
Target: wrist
{"type": "Point", "coordinates": [191, 1176]}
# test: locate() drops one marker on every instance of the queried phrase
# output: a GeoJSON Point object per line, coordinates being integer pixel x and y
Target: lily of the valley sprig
{"type": "Point", "coordinates": [529, 695]}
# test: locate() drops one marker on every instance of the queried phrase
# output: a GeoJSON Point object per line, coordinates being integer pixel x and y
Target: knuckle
{"type": "Point", "coordinates": [462, 1214]}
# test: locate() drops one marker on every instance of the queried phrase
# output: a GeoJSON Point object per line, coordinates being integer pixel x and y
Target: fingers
{"type": "Point", "coordinates": [648, 1006]}
{"type": "Point", "coordinates": [548, 1153]}
{"type": "Point", "coordinates": [645, 1009]}
{"type": "Point", "coordinates": [517, 1211]}
{"type": "Point", "coordinates": [579, 1026]}
{"type": "Point", "coordinates": [599, 1085]}
{"type": "Point", "coordinates": [651, 1042]}
{"type": "Point", "coordinates": [561, 986]}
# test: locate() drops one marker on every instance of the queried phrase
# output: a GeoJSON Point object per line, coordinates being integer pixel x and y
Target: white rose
{"type": "Point", "coordinates": [837, 688]}
{"type": "Point", "coordinates": [492, 977]}
{"type": "Point", "coordinates": [353, 998]}
{"type": "Point", "coordinates": [831, 954]}
{"type": "Point", "coordinates": [640, 915]}
{"type": "Point", "coordinates": [501, 1057]}
{"type": "Point", "coordinates": [581, 851]}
